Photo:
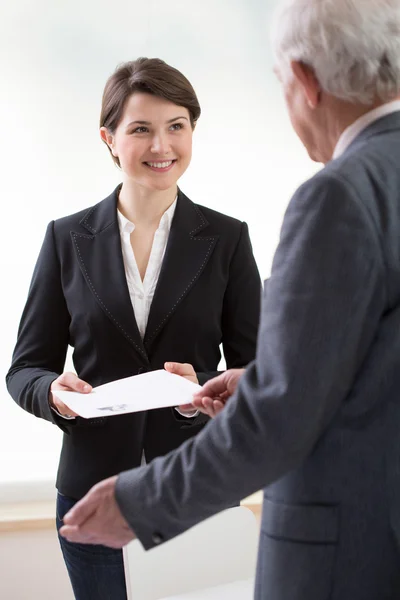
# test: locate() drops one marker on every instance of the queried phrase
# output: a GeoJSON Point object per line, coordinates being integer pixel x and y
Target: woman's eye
{"type": "Point", "coordinates": [140, 130]}
{"type": "Point", "coordinates": [176, 126]}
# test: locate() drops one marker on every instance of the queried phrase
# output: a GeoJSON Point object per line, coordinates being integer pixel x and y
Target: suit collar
{"type": "Point", "coordinates": [99, 254]}
{"type": "Point", "coordinates": [103, 214]}
{"type": "Point", "coordinates": [186, 214]}
{"type": "Point", "coordinates": [386, 124]}
{"type": "Point", "coordinates": [355, 129]}
{"type": "Point", "coordinates": [100, 257]}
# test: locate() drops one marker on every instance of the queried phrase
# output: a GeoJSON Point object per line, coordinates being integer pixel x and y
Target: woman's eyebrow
{"type": "Point", "coordinates": [138, 123]}
{"type": "Point", "coordinates": [176, 119]}
{"type": "Point", "coordinates": [149, 123]}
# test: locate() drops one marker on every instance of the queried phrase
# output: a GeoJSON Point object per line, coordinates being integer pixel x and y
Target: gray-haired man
{"type": "Point", "coordinates": [315, 419]}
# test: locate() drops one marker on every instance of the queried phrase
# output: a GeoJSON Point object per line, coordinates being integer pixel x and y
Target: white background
{"type": "Point", "coordinates": [54, 60]}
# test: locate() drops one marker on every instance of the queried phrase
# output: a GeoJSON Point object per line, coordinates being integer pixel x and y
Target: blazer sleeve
{"type": "Point", "coordinates": [42, 342]}
{"type": "Point", "coordinates": [241, 309]}
{"type": "Point", "coordinates": [240, 312]}
{"type": "Point", "coordinates": [321, 314]}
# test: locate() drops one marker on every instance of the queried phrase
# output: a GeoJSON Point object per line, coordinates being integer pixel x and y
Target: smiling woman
{"type": "Point", "coordinates": [155, 151]}
{"type": "Point", "coordinates": [149, 112]}
{"type": "Point", "coordinates": [143, 277]}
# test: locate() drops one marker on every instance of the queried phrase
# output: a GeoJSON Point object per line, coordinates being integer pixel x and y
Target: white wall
{"type": "Point", "coordinates": [54, 60]}
{"type": "Point", "coordinates": [32, 567]}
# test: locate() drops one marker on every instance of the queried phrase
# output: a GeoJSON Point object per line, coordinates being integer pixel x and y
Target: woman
{"type": "Point", "coordinates": [143, 277]}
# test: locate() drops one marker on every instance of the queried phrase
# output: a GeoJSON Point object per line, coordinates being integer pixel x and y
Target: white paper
{"type": "Point", "coordinates": [157, 389]}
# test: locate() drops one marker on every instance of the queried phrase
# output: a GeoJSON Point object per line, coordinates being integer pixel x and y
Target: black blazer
{"type": "Point", "coordinates": [208, 293]}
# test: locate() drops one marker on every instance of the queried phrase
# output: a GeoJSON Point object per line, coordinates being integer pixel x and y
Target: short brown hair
{"type": "Point", "coordinates": [149, 75]}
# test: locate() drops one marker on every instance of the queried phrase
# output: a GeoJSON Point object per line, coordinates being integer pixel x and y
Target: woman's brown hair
{"type": "Point", "coordinates": [149, 75]}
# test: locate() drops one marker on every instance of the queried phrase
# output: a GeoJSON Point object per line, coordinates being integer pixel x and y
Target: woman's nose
{"type": "Point", "coordinates": [160, 144]}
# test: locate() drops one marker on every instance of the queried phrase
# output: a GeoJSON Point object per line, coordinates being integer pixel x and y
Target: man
{"type": "Point", "coordinates": [315, 419]}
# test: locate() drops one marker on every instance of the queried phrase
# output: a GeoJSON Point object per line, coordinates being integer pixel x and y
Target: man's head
{"type": "Point", "coordinates": [336, 59]}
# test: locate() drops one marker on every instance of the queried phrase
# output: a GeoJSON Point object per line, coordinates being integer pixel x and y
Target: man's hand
{"type": "Point", "coordinates": [214, 394]}
{"type": "Point", "coordinates": [97, 519]}
{"type": "Point", "coordinates": [67, 382]}
{"type": "Point", "coordinates": [187, 371]}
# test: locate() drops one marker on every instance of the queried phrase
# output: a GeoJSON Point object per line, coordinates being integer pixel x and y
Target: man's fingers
{"type": "Point", "coordinates": [80, 535]}
{"type": "Point", "coordinates": [71, 532]}
{"type": "Point", "coordinates": [198, 403]}
{"type": "Point", "coordinates": [206, 402]}
{"type": "Point", "coordinates": [72, 382]}
{"type": "Point", "coordinates": [81, 512]}
{"type": "Point", "coordinates": [214, 407]}
{"type": "Point", "coordinates": [209, 406]}
{"type": "Point", "coordinates": [76, 534]}
{"type": "Point", "coordinates": [213, 388]}
{"type": "Point", "coordinates": [218, 406]}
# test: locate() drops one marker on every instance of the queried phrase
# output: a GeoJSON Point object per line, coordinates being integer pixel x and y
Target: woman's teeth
{"type": "Point", "coordinates": [160, 165]}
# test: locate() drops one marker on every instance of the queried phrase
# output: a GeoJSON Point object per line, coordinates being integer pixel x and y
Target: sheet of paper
{"type": "Point", "coordinates": [157, 389]}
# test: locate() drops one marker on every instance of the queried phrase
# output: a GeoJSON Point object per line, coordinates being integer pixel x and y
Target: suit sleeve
{"type": "Point", "coordinates": [42, 342]}
{"type": "Point", "coordinates": [321, 313]}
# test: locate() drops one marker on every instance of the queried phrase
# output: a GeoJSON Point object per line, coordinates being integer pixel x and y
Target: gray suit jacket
{"type": "Point", "coordinates": [316, 418]}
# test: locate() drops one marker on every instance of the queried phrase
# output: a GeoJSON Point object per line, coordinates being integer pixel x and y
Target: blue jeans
{"type": "Point", "coordinates": [96, 572]}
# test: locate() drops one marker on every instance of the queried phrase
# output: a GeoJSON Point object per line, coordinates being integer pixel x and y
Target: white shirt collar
{"type": "Point", "coordinates": [126, 226]}
{"type": "Point", "coordinates": [354, 130]}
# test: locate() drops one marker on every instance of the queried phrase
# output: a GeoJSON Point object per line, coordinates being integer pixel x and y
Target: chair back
{"type": "Point", "coordinates": [217, 551]}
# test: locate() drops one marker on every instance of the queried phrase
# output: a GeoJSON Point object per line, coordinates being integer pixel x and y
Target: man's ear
{"type": "Point", "coordinates": [305, 75]}
{"type": "Point", "coordinates": [108, 138]}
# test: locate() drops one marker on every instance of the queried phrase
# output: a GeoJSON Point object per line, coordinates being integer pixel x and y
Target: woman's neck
{"type": "Point", "coordinates": [142, 206]}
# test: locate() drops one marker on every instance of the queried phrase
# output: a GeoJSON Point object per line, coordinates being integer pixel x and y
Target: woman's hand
{"type": "Point", "coordinates": [71, 383]}
{"type": "Point", "coordinates": [183, 369]}
{"type": "Point", "coordinates": [187, 371]}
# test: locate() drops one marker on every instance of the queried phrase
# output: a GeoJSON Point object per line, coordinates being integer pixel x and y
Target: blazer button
{"type": "Point", "coordinates": [157, 538]}
{"type": "Point", "coordinates": [142, 370]}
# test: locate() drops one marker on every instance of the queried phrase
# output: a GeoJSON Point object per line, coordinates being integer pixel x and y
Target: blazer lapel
{"type": "Point", "coordinates": [186, 255]}
{"type": "Point", "coordinates": [100, 258]}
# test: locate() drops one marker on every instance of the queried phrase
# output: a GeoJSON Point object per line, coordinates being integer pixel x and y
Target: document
{"type": "Point", "coordinates": [157, 389]}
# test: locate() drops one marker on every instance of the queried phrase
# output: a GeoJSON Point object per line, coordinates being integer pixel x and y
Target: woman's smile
{"type": "Point", "coordinates": [160, 166]}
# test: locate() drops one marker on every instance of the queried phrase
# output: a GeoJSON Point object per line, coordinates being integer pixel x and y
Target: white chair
{"type": "Point", "coordinates": [214, 560]}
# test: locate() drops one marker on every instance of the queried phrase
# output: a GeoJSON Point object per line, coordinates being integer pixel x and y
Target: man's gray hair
{"type": "Point", "coordinates": [352, 45]}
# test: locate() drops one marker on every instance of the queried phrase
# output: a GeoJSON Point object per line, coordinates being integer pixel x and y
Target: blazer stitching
{"type": "Point", "coordinates": [106, 227]}
{"type": "Point", "coordinates": [87, 236]}
{"type": "Point", "coordinates": [100, 300]}
{"type": "Point", "coordinates": [202, 224]}
{"type": "Point", "coordinates": [186, 289]}
{"type": "Point", "coordinates": [86, 218]}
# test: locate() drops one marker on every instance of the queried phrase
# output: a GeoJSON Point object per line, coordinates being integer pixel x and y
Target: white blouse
{"type": "Point", "coordinates": [142, 292]}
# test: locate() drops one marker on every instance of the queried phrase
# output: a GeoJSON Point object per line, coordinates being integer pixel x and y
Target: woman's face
{"type": "Point", "coordinates": [153, 141]}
